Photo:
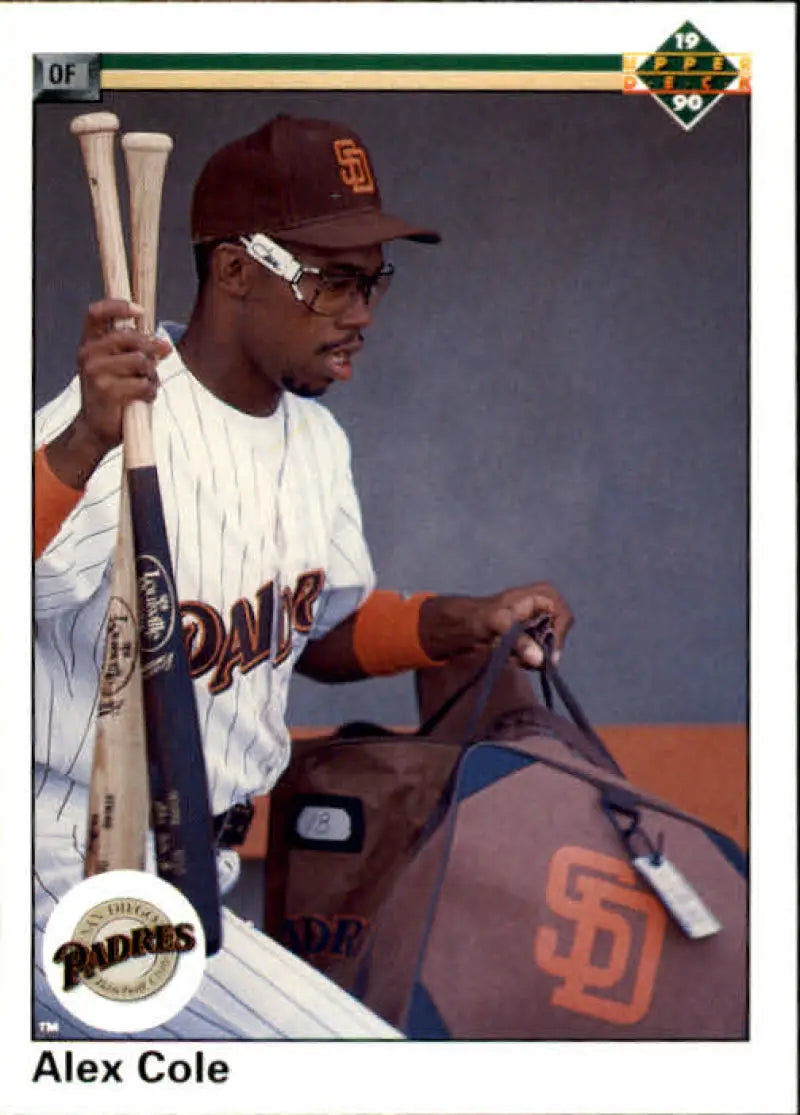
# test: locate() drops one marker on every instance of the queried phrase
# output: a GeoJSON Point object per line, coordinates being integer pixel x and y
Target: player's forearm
{"type": "Point", "coordinates": [332, 659]}
{"type": "Point", "coordinates": [390, 635]}
{"type": "Point", "coordinates": [71, 551]}
{"type": "Point", "coordinates": [61, 470]}
{"type": "Point", "coordinates": [381, 639]}
{"type": "Point", "coordinates": [75, 454]}
{"type": "Point", "coordinates": [450, 625]}
{"type": "Point", "coordinates": [53, 501]}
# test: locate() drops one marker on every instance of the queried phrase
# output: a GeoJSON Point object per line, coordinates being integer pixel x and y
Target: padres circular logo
{"type": "Point", "coordinates": [124, 951]}
{"type": "Point", "coordinates": [156, 603]}
{"type": "Point", "coordinates": [122, 947]}
{"type": "Point", "coordinates": [122, 648]}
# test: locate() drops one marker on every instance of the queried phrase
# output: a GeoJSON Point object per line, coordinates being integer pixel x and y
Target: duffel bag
{"type": "Point", "coordinates": [551, 899]}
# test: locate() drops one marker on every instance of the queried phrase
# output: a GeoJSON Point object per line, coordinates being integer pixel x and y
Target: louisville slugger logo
{"type": "Point", "coordinates": [607, 950]}
{"type": "Point", "coordinates": [157, 610]}
{"type": "Point", "coordinates": [354, 168]}
{"type": "Point", "coordinates": [120, 655]}
{"type": "Point", "coordinates": [257, 631]}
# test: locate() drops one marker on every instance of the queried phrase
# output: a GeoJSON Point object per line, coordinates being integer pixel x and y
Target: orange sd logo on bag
{"type": "Point", "coordinates": [354, 169]}
{"type": "Point", "coordinates": [608, 963]}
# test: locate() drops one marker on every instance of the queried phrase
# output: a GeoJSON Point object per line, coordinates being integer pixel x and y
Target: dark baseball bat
{"type": "Point", "coordinates": [180, 809]}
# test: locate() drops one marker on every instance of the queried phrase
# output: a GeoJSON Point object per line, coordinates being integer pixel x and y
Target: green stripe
{"type": "Point", "coordinates": [575, 63]}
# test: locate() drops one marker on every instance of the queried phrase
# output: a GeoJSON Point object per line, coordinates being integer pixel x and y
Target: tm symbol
{"type": "Point", "coordinates": [48, 1027]}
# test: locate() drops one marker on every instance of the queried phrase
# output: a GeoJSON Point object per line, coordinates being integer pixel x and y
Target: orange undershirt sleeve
{"type": "Point", "coordinates": [52, 502]}
{"type": "Point", "coordinates": [386, 634]}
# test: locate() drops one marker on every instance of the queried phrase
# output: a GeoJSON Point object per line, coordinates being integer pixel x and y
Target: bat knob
{"type": "Point", "coordinates": [91, 122]}
{"type": "Point", "coordinates": [146, 141]}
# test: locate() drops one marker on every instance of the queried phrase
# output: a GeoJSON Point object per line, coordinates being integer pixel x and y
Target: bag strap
{"type": "Point", "coordinates": [487, 675]}
{"type": "Point", "coordinates": [489, 670]}
{"type": "Point", "coordinates": [551, 677]}
{"type": "Point", "coordinates": [427, 726]}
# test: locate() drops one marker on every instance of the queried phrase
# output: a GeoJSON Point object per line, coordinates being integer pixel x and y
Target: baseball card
{"type": "Point", "coordinates": [370, 363]}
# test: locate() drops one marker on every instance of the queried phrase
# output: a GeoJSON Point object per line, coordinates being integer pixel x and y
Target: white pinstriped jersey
{"type": "Point", "coordinates": [265, 533]}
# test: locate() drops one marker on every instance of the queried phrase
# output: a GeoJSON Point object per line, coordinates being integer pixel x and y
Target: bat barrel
{"type": "Point", "coordinates": [96, 131]}
{"type": "Point", "coordinates": [146, 155]}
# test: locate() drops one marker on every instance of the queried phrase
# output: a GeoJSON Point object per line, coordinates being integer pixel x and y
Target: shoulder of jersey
{"type": "Point", "coordinates": [316, 414]}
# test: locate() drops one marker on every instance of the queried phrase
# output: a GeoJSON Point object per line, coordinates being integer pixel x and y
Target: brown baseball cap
{"type": "Point", "coordinates": [308, 181]}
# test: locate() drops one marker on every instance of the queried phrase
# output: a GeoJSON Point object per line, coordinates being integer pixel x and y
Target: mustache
{"type": "Point", "coordinates": [352, 338]}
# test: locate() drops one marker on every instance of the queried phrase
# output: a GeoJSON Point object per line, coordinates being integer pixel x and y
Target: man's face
{"type": "Point", "coordinates": [296, 348]}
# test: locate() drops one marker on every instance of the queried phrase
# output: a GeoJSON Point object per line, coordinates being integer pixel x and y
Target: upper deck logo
{"type": "Point", "coordinates": [687, 75]}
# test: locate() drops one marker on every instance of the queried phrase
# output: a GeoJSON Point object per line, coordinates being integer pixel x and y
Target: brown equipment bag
{"type": "Point", "coordinates": [504, 888]}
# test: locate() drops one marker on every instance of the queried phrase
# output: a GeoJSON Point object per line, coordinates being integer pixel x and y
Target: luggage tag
{"type": "Point", "coordinates": [676, 893]}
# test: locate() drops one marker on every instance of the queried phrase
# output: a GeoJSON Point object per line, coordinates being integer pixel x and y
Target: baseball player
{"type": "Point", "coordinates": [270, 560]}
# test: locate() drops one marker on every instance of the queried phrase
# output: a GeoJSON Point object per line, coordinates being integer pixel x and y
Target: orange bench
{"type": "Point", "coordinates": [701, 768]}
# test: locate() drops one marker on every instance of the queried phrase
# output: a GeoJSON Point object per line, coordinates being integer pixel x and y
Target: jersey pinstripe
{"type": "Point", "coordinates": [265, 533]}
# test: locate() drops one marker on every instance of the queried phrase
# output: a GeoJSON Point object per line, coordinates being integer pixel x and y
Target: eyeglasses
{"type": "Point", "coordinates": [327, 291]}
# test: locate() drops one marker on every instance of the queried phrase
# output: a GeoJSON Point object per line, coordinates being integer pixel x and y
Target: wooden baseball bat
{"type": "Point", "coordinates": [178, 781]}
{"type": "Point", "coordinates": [174, 767]}
{"type": "Point", "coordinates": [118, 795]}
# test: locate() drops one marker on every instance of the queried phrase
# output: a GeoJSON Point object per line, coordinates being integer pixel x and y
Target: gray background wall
{"type": "Point", "coordinates": [557, 391]}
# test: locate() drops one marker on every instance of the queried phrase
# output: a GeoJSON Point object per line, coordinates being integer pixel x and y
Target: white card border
{"type": "Point", "coordinates": [498, 1077]}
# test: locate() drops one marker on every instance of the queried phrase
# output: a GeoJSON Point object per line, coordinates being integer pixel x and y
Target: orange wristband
{"type": "Point", "coordinates": [52, 502]}
{"type": "Point", "coordinates": [386, 634]}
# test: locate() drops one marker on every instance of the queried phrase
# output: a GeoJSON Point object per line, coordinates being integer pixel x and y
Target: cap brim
{"type": "Point", "coordinates": [362, 229]}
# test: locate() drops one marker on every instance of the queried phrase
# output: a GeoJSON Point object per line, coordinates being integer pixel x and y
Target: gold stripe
{"type": "Point", "coordinates": [358, 79]}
